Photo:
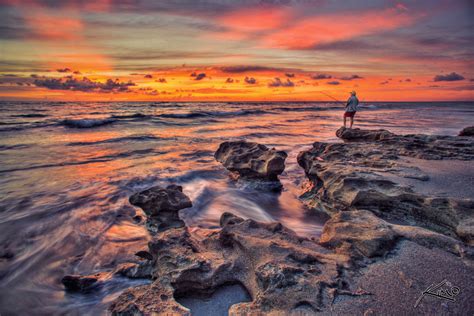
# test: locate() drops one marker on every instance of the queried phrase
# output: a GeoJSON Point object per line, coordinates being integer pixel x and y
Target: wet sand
{"type": "Point", "coordinates": [446, 178]}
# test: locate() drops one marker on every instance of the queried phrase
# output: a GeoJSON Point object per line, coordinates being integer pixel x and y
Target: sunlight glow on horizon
{"type": "Point", "coordinates": [214, 51]}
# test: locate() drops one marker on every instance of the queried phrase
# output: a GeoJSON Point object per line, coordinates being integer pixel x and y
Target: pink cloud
{"type": "Point", "coordinates": [313, 31]}
{"type": "Point", "coordinates": [259, 19]}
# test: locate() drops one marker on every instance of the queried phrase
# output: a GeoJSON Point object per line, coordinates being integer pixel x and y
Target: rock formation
{"type": "Point", "coordinates": [251, 160]}
{"type": "Point", "coordinates": [359, 134]}
{"type": "Point", "coordinates": [383, 246]}
{"type": "Point", "coordinates": [468, 131]}
{"type": "Point", "coordinates": [280, 270]}
{"type": "Point", "coordinates": [162, 206]}
{"type": "Point", "coordinates": [357, 176]}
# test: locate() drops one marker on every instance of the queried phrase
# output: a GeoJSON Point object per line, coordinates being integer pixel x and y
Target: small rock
{"type": "Point", "coordinates": [144, 254]}
{"type": "Point", "coordinates": [251, 160]}
{"type": "Point", "coordinates": [79, 283]}
{"type": "Point", "coordinates": [162, 206]}
{"type": "Point", "coordinates": [468, 131]}
{"type": "Point", "coordinates": [359, 134]}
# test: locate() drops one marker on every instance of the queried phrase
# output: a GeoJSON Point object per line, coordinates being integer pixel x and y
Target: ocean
{"type": "Point", "coordinates": [68, 168]}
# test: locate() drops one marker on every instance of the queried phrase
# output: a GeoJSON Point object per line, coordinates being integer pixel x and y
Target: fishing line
{"type": "Point", "coordinates": [328, 95]}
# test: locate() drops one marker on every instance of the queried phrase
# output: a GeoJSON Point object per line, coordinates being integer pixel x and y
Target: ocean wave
{"type": "Point", "coordinates": [30, 115]}
{"type": "Point", "coordinates": [17, 146]}
{"type": "Point", "coordinates": [135, 115]}
{"type": "Point", "coordinates": [134, 138]}
{"type": "Point", "coordinates": [19, 126]}
{"type": "Point", "coordinates": [87, 123]}
{"type": "Point", "coordinates": [307, 109]}
{"type": "Point", "coordinates": [211, 114]}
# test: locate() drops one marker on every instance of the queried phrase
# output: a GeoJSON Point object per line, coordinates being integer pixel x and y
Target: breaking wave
{"type": "Point", "coordinates": [87, 123]}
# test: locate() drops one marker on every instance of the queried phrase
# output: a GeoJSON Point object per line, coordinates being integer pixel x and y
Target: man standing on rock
{"type": "Point", "coordinates": [351, 108]}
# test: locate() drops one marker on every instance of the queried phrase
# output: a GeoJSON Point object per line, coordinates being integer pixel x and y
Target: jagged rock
{"type": "Point", "coordinates": [367, 235]}
{"type": "Point", "coordinates": [359, 134]}
{"type": "Point", "coordinates": [358, 176]}
{"type": "Point", "coordinates": [251, 160]}
{"type": "Point", "coordinates": [468, 131]}
{"type": "Point", "coordinates": [142, 270]}
{"type": "Point", "coordinates": [144, 255]}
{"type": "Point", "coordinates": [286, 274]}
{"type": "Point", "coordinates": [80, 283]}
{"type": "Point", "coordinates": [279, 269]}
{"type": "Point", "coordinates": [162, 206]}
{"type": "Point", "coordinates": [283, 273]}
{"type": "Point", "coordinates": [362, 230]}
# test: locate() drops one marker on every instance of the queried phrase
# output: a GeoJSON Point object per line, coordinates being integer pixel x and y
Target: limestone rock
{"type": "Point", "coordinates": [79, 283]}
{"type": "Point", "coordinates": [162, 206]}
{"type": "Point", "coordinates": [468, 131]}
{"type": "Point", "coordinates": [360, 134]}
{"type": "Point", "coordinates": [279, 269]}
{"type": "Point", "coordinates": [361, 176]}
{"type": "Point", "coordinates": [251, 160]}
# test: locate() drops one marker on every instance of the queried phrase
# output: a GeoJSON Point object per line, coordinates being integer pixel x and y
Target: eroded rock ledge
{"type": "Point", "coordinates": [364, 263]}
{"type": "Point", "coordinates": [362, 175]}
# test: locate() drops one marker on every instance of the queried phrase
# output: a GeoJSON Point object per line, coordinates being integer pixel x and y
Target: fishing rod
{"type": "Point", "coordinates": [330, 96]}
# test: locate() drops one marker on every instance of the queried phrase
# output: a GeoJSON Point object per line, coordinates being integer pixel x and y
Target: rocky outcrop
{"type": "Point", "coordinates": [280, 270]}
{"type": "Point", "coordinates": [362, 176]}
{"type": "Point", "coordinates": [468, 131]}
{"type": "Point", "coordinates": [162, 206]}
{"type": "Point", "coordinates": [378, 229]}
{"type": "Point", "coordinates": [366, 235]}
{"type": "Point", "coordinates": [251, 160]}
{"type": "Point", "coordinates": [359, 134]}
{"type": "Point", "coordinates": [80, 283]}
{"type": "Point", "coordinates": [284, 273]}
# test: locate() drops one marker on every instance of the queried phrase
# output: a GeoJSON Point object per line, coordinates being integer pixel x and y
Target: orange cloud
{"type": "Point", "coordinates": [63, 34]}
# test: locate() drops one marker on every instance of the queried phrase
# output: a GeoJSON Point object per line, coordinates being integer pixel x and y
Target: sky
{"type": "Point", "coordinates": [249, 50]}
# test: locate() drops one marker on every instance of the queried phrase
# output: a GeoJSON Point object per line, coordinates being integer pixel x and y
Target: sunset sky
{"type": "Point", "coordinates": [192, 50]}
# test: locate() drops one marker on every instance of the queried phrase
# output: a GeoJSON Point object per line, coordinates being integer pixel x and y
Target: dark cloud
{"type": "Point", "coordinates": [334, 83]}
{"type": "Point", "coordinates": [245, 68]}
{"type": "Point", "coordinates": [384, 82]}
{"type": "Point", "coordinates": [321, 76]}
{"type": "Point", "coordinates": [161, 80]}
{"type": "Point", "coordinates": [84, 85]}
{"type": "Point", "coordinates": [278, 83]}
{"type": "Point", "coordinates": [64, 70]}
{"type": "Point", "coordinates": [34, 76]}
{"type": "Point", "coordinates": [229, 80]}
{"type": "Point", "coordinates": [148, 76]}
{"type": "Point", "coordinates": [77, 72]}
{"type": "Point", "coordinates": [9, 75]}
{"type": "Point", "coordinates": [200, 76]}
{"type": "Point", "coordinates": [407, 80]}
{"type": "Point", "coordinates": [250, 80]}
{"type": "Point", "coordinates": [290, 75]}
{"type": "Point", "coordinates": [193, 74]}
{"type": "Point", "coordinates": [449, 77]}
{"type": "Point", "coordinates": [353, 77]}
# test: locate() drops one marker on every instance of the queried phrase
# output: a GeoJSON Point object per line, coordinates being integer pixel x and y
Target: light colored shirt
{"type": "Point", "coordinates": [352, 104]}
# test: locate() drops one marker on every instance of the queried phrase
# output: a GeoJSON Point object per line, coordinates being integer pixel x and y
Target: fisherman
{"type": "Point", "coordinates": [351, 108]}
